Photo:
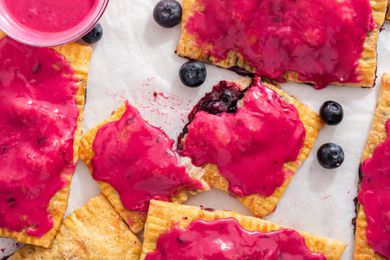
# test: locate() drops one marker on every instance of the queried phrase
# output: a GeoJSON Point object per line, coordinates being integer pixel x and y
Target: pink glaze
{"type": "Point", "coordinates": [226, 239]}
{"type": "Point", "coordinates": [321, 40]}
{"type": "Point", "coordinates": [137, 160]}
{"type": "Point", "coordinates": [251, 145]}
{"type": "Point", "coordinates": [38, 118]}
{"type": "Point", "coordinates": [374, 195]}
{"type": "Point", "coordinates": [49, 15]}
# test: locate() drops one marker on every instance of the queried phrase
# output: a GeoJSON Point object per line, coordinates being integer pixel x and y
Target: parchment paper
{"type": "Point", "coordinates": [135, 60]}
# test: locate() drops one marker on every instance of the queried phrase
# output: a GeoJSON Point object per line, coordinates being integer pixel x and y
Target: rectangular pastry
{"type": "Point", "coordinates": [372, 236]}
{"type": "Point", "coordinates": [43, 96]}
{"type": "Point", "coordinates": [94, 231]}
{"type": "Point", "coordinates": [176, 229]}
{"type": "Point", "coordinates": [316, 42]}
{"type": "Point", "coordinates": [250, 137]}
{"type": "Point", "coordinates": [133, 162]}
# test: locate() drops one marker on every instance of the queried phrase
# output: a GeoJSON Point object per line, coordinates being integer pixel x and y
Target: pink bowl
{"type": "Point", "coordinates": [46, 39]}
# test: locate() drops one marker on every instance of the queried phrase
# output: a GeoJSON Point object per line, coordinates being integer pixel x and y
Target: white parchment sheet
{"type": "Point", "coordinates": [135, 60]}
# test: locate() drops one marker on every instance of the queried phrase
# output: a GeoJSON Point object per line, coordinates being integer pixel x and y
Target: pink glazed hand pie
{"type": "Point", "coordinates": [42, 92]}
{"type": "Point", "coordinates": [133, 162]}
{"type": "Point", "coordinates": [318, 42]}
{"type": "Point", "coordinates": [250, 140]}
{"type": "Point", "coordinates": [373, 220]}
{"type": "Point", "coordinates": [186, 232]}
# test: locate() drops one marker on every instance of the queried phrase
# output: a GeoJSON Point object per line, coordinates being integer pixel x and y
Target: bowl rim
{"type": "Point", "coordinates": [41, 42]}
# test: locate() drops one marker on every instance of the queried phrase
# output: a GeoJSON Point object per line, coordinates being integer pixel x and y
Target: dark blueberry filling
{"type": "Point", "coordinates": [222, 99]}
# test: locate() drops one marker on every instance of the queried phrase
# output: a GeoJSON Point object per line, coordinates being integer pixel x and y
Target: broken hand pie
{"type": "Point", "coordinates": [250, 137]}
{"type": "Point", "coordinates": [133, 162]}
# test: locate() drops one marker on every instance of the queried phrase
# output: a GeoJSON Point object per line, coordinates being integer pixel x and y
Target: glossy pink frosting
{"type": "Point", "coordinates": [137, 160]}
{"type": "Point", "coordinates": [226, 239]}
{"type": "Point", "coordinates": [251, 145]}
{"type": "Point", "coordinates": [374, 195]}
{"type": "Point", "coordinates": [38, 118]}
{"type": "Point", "coordinates": [49, 15]}
{"type": "Point", "coordinates": [321, 40]}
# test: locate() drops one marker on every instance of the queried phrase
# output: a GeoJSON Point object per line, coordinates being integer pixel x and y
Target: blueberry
{"type": "Point", "coordinates": [330, 156]}
{"type": "Point", "coordinates": [331, 113]}
{"type": "Point", "coordinates": [167, 13]}
{"type": "Point", "coordinates": [193, 73]}
{"type": "Point", "coordinates": [94, 35]}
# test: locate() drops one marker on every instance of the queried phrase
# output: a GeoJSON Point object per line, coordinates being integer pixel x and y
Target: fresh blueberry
{"type": "Point", "coordinates": [332, 113]}
{"type": "Point", "coordinates": [193, 74]}
{"type": "Point", "coordinates": [167, 13]}
{"type": "Point", "coordinates": [94, 35]}
{"type": "Point", "coordinates": [330, 156]}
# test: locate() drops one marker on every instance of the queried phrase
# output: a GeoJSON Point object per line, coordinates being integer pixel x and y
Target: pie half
{"type": "Point", "coordinates": [135, 219]}
{"type": "Point", "coordinates": [260, 205]}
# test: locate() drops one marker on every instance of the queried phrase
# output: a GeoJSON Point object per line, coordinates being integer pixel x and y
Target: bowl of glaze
{"type": "Point", "coordinates": [47, 29]}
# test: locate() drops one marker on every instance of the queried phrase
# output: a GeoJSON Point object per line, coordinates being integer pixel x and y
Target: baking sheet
{"type": "Point", "coordinates": [135, 60]}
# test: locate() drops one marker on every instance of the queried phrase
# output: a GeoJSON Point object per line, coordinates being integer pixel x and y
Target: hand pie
{"type": "Point", "coordinates": [250, 137]}
{"type": "Point", "coordinates": [94, 231]}
{"type": "Point", "coordinates": [176, 229]}
{"type": "Point", "coordinates": [42, 92]}
{"type": "Point", "coordinates": [317, 42]}
{"type": "Point", "coordinates": [372, 236]}
{"type": "Point", "coordinates": [133, 162]}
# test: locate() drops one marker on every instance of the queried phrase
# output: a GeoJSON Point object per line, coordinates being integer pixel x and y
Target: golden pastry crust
{"type": "Point", "coordinates": [377, 136]}
{"type": "Point", "coordinates": [94, 231]}
{"type": "Point", "coordinates": [163, 216]}
{"type": "Point", "coordinates": [78, 57]}
{"type": "Point", "coordinates": [366, 69]}
{"type": "Point", "coordinates": [259, 205]}
{"type": "Point", "coordinates": [134, 219]}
